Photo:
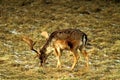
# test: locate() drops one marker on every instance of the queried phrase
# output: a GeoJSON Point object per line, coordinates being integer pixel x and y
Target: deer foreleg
{"type": "Point", "coordinates": [59, 62]}
{"type": "Point", "coordinates": [58, 55]}
{"type": "Point", "coordinates": [76, 57]}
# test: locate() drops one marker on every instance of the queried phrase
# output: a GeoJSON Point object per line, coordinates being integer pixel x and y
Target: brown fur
{"type": "Point", "coordinates": [70, 39]}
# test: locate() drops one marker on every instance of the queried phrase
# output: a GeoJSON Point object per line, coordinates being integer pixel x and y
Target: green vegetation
{"type": "Point", "coordinates": [99, 19]}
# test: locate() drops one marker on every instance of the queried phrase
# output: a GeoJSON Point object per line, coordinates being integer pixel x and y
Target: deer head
{"type": "Point", "coordinates": [40, 53]}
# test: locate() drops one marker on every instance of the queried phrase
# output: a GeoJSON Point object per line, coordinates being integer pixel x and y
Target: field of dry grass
{"type": "Point", "coordinates": [100, 20]}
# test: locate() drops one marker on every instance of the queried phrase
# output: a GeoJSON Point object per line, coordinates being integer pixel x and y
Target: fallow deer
{"type": "Point", "coordinates": [69, 39]}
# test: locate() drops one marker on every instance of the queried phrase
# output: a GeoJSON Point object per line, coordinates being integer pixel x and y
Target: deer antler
{"type": "Point", "coordinates": [31, 44]}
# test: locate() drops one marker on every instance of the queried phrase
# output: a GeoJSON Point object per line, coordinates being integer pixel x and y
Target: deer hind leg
{"type": "Point", "coordinates": [86, 56]}
{"type": "Point", "coordinates": [58, 55]}
{"type": "Point", "coordinates": [76, 57]}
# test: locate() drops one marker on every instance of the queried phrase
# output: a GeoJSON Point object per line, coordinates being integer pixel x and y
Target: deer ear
{"type": "Point", "coordinates": [45, 34]}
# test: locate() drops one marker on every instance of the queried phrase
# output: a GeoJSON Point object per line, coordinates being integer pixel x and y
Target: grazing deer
{"type": "Point", "coordinates": [69, 39]}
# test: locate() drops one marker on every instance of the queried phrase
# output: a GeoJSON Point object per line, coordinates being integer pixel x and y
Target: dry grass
{"type": "Point", "coordinates": [100, 21]}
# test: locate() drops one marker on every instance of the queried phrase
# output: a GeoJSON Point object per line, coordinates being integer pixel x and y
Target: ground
{"type": "Point", "coordinates": [99, 19]}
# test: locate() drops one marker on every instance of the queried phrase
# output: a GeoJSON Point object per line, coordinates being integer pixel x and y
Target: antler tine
{"type": "Point", "coordinates": [30, 43]}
